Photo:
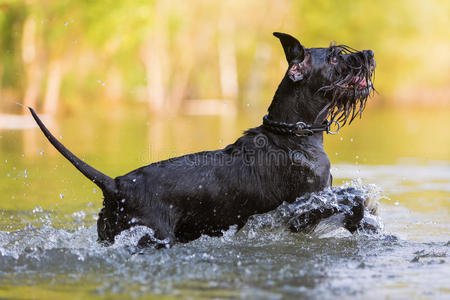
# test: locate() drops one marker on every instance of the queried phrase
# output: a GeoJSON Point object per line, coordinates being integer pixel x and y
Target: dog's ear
{"type": "Point", "coordinates": [295, 55]}
{"type": "Point", "coordinates": [292, 47]}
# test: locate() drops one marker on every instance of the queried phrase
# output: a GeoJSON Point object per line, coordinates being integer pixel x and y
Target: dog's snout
{"type": "Point", "coordinates": [369, 53]}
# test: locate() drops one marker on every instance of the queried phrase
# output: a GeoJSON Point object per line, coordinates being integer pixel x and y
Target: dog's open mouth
{"type": "Point", "coordinates": [358, 83]}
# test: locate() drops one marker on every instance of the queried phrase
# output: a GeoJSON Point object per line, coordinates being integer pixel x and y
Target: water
{"type": "Point", "coordinates": [48, 243]}
{"type": "Point", "coordinates": [263, 260]}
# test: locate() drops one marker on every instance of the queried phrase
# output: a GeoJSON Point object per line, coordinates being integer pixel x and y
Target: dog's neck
{"type": "Point", "coordinates": [295, 103]}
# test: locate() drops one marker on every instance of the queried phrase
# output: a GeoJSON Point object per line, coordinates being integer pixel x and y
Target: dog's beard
{"type": "Point", "coordinates": [349, 90]}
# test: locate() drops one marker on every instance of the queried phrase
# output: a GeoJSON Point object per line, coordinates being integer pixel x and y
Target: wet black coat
{"type": "Point", "coordinates": [206, 192]}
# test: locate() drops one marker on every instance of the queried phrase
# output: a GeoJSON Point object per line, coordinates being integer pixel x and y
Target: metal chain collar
{"type": "Point", "coordinates": [299, 128]}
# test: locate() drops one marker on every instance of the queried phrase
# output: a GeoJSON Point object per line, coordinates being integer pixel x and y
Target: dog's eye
{"type": "Point", "coordinates": [334, 60]}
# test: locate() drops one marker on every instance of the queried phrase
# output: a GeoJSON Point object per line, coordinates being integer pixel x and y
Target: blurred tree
{"type": "Point", "coordinates": [163, 52]}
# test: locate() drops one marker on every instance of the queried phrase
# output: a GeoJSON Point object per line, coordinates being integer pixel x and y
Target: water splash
{"type": "Point", "coordinates": [264, 258]}
{"type": "Point", "coordinates": [323, 214]}
{"type": "Point", "coordinates": [81, 240]}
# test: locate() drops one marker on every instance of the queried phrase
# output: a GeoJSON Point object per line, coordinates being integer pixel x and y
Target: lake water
{"type": "Point", "coordinates": [48, 210]}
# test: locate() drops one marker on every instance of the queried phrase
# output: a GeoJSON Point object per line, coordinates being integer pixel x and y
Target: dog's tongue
{"type": "Point", "coordinates": [359, 81]}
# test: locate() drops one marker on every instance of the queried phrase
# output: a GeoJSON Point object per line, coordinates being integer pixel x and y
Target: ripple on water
{"type": "Point", "coordinates": [262, 260]}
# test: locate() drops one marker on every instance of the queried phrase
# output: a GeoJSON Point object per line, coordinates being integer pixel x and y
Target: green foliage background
{"type": "Point", "coordinates": [92, 38]}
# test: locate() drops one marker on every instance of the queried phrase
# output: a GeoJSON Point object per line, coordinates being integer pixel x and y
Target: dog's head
{"type": "Point", "coordinates": [341, 75]}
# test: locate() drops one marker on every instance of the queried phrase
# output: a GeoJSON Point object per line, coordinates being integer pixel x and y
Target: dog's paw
{"type": "Point", "coordinates": [354, 216]}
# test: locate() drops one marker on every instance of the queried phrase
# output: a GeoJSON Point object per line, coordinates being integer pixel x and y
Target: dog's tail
{"type": "Point", "coordinates": [104, 182]}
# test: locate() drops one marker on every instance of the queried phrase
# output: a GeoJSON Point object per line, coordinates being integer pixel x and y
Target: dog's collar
{"type": "Point", "coordinates": [299, 128]}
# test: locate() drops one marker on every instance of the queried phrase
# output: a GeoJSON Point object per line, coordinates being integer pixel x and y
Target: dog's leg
{"type": "Point", "coordinates": [307, 221]}
{"type": "Point", "coordinates": [352, 210]}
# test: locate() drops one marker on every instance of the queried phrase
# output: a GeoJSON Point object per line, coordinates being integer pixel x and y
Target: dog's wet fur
{"type": "Point", "coordinates": [207, 192]}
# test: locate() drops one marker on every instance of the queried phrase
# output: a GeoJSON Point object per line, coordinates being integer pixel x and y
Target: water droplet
{"type": "Point", "coordinates": [248, 104]}
{"type": "Point", "coordinates": [357, 156]}
{"type": "Point", "coordinates": [221, 141]}
{"type": "Point", "coordinates": [61, 196]}
{"type": "Point", "coordinates": [341, 138]}
{"type": "Point", "coordinates": [95, 190]}
{"type": "Point", "coordinates": [6, 161]}
{"type": "Point", "coordinates": [103, 83]}
{"type": "Point", "coordinates": [37, 209]}
{"type": "Point", "coordinates": [397, 203]}
{"type": "Point", "coordinates": [123, 200]}
{"type": "Point", "coordinates": [41, 152]}
{"type": "Point", "coordinates": [121, 209]}
{"type": "Point", "coordinates": [351, 140]}
{"type": "Point", "coordinates": [25, 173]}
{"type": "Point", "coordinates": [60, 136]}
{"type": "Point", "coordinates": [79, 214]}
{"type": "Point", "coordinates": [336, 154]}
{"type": "Point", "coordinates": [66, 23]}
{"type": "Point", "coordinates": [134, 179]}
{"type": "Point", "coordinates": [200, 187]}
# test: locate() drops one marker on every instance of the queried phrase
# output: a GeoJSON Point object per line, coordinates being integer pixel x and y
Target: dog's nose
{"type": "Point", "coordinates": [370, 53]}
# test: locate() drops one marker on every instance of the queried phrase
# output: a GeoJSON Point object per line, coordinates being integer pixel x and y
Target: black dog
{"type": "Point", "coordinates": [205, 193]}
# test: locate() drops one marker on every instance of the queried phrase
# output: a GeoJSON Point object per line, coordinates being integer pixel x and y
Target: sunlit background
{"type": "Point", "coordinates": [65, 57]}
{"type": "Point", "coordinates": [127, 83]}
{"type": "Point", "coordinates": [132, 82]}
